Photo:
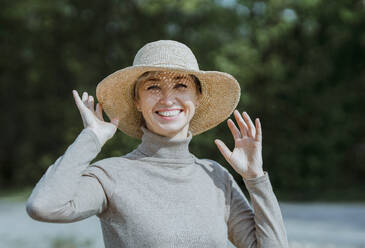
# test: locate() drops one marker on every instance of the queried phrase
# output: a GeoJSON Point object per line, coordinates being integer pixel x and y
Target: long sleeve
{"type": "Point", "coordinates": [261, 227]}
{"type": "Point", "coordinates": [64, 194]}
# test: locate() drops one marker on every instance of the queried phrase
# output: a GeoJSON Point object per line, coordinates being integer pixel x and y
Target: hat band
{"type": "Point", "coordinates": [168, 65]}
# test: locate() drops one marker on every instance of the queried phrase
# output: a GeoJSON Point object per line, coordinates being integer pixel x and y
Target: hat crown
{"type": "Point", "coordinates": [166, 53]}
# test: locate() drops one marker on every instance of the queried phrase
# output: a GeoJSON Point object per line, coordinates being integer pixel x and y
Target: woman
{"type": "Point", "coordinates": [160, 194]}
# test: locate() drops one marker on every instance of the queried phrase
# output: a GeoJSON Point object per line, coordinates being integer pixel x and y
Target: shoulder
{"type": "Point", "coordinates": [120, 163]}
{"type": "Point", "coordinates": [111, 165]}
{"type": "Point", "coordinates": [214, 168]}
{"type": "Point", "coordinates": [125, 159]}
{"type": "Point", "coordinates": [218, 170]}
{"type": "Point", "coordinates": [211, 164]}
{"type": "Point", "coordinates": [111, 162]}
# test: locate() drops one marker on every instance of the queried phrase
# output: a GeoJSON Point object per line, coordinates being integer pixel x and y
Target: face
{"type": "Point", "coordinates": [167, 101]}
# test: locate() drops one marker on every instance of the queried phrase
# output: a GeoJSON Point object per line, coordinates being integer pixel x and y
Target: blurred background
{"type": "Point", "coordinates": [300, 65]}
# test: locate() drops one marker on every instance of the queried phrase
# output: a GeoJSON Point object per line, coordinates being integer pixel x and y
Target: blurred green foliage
{"type": "Point", "coordinates": [300, 65]}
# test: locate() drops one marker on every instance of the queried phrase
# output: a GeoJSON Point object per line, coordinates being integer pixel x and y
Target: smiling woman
{"type": "Point", "coordinates": [160, 194]}
{"type": "Point", "coordinates": [167, 101]}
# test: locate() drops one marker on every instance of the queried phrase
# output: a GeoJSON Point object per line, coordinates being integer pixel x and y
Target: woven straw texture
{"type": "Point", "coordinates": [220, 91]}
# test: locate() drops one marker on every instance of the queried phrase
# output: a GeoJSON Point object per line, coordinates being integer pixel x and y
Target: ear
{"type": "Point", "coordinates": [197, 102]}
{"type": "Point", "coordinates": [138, 106]}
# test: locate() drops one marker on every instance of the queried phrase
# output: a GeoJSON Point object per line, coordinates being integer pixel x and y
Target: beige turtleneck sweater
{"type": "Point", "coordinates": [159, 195]}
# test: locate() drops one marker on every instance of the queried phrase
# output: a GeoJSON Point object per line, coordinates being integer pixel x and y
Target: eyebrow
{"type": "Point", "coordinates": [153, 79]}
{"type": "Point", "coordinates": [179, 77]}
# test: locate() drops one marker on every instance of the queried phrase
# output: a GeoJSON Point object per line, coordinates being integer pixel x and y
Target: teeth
{"type": "Point", "coordinates": [169, 113]}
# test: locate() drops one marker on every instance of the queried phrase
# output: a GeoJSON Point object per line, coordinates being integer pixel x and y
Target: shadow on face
{"type": "Point", "coordinates": [167, 100]}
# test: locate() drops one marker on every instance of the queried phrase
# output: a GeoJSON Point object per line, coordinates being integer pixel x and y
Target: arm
{"type": "Point", "coordinates": [263, 226]}
{"type": "Point", "coordinates": [63, 194]}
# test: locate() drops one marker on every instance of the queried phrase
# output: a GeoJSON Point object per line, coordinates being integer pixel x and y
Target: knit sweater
{"type": "Point", "coordinates": [159, 195]}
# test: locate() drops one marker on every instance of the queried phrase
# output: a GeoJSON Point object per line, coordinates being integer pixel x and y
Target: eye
{"type": "Point", "coordinates": [181, 85]}
{"type": "Point", "coordinates": [153, 87]}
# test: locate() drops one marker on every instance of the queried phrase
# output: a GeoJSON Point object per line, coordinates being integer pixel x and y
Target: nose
{"type": "Point", "coordinates": [167, 98]}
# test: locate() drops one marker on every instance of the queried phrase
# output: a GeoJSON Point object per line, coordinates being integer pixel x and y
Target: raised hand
{"type": "Point", "coordinates": [93, 119]}
{"type": "Point", "coordinates": [246, 157]}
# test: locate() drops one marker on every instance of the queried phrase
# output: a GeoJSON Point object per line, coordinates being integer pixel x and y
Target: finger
{"type": "Point", "coordinates": [258, 130]}
{"type": "Point", "coordinates": [78, 100]}
{"type": "Point", "coordinates": [90, 103]}
{"type": "Point", "coordinates": [99, 111]}
{"type": "Point", "coordinates": [84, 97]}
{"type": "Point", "coordinates": [79, 105]}
{"type": "Point", "coordinates": [223, 149]}
{"type": "Point", "coordinates": [241, 123]}
{"type": "Point", "coordinates": [115, 121]}
{"type": "Point", "coordinates": [251, 128]}
{"type": "Point", "coordinates": [234, 130]}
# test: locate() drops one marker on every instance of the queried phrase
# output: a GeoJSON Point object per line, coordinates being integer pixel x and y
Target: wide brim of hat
{"type": "Point", "coordinates": [220, 96]}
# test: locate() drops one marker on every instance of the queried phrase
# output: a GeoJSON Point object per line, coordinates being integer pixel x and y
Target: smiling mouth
{"type": "Point", "coordinates": [170, 113]}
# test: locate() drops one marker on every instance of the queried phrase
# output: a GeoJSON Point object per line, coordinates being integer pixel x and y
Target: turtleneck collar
{"type": "Point", "coordinates": [157, 146]}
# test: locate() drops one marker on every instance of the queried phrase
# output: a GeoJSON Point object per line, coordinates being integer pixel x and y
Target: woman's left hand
{"type": "Point", "coordinates": [246, 158]}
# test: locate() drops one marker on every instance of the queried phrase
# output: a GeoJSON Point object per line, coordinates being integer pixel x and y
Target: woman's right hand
{"type": "Point", "coordinates": [93, 119]}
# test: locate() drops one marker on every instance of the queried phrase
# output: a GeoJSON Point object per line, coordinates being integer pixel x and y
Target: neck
{"type": "Point", "coordinates": [155, 145]}
{"type": "Point", "coordinates": [174, 136]}
{"type": "Point", "coordinates": [182, 135]}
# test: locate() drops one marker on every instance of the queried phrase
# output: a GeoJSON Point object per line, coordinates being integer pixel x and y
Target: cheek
{"type": "Point", "coordinates": [147, 101]}
{"type": "Point", "coordinates": [190, 99]}
{"type": "Point", "coordinates": [191, 106]}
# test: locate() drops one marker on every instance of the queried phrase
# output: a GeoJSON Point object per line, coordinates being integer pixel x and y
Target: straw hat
{"type": "Point", "coordinates": [220, 91]}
